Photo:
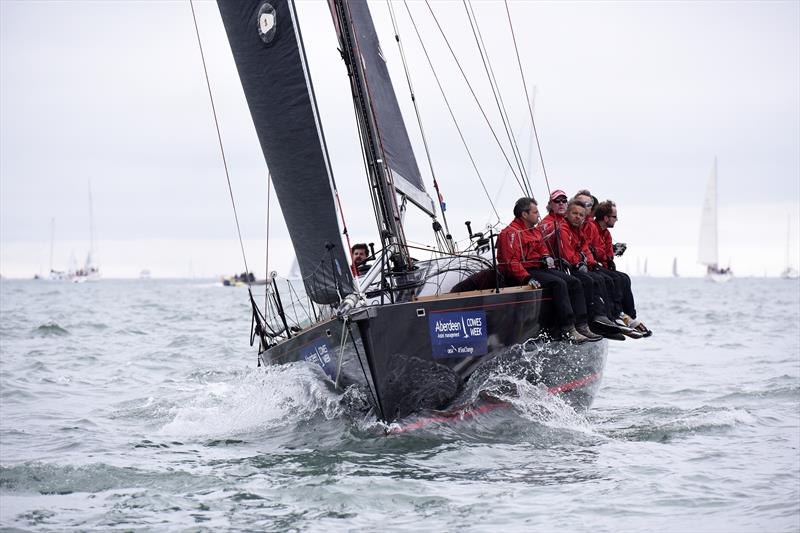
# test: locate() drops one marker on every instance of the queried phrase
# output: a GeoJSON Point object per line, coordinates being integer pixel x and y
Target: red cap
{"type": "Point", "coordinates": [556, 193]}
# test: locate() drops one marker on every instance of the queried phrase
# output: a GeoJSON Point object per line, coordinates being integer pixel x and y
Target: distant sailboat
{"type": "Point", "coordinates": [789, 272]}
{"type": "Point", "coordinates": [89, 270]}
{"type": "Point", "coordinates": [294, 271]}
{"type": "Point", "coordinates": [675, 268]}
{"type": "Point", "coordinates": [57, 275]}
{"type": "Point", "coordinates": [708, 253]}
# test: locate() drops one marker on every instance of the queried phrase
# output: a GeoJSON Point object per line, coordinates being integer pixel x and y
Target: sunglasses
{"type": "Point", "coordinates": [587, 205]}
{"type": "Point", "coordinates": [560, 201]}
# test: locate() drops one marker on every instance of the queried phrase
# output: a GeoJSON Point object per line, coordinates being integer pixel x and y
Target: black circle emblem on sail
{"type": "Point", "coordinates": [266, 22]}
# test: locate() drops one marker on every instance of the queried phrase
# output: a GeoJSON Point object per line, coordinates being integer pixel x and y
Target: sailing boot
{"type": "Point", "coordinates": [571, 334]}
{"type": "Point", "coordinates": [601, 320]}
{"type": "Point", "coordinates": [614, 333]}
{"type": "Point", "coordinates": [584, 330]}
{"type": "Point", "coordinates": [632, 333]}
{"type": "Point", "coordinates": [634, 323]}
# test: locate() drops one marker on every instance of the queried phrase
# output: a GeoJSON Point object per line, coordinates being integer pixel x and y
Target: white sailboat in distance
{"type": "Point", "coordinates": [89, 270]}
{"type": "Point", "coordinates": [708, 252]}
{"type": "Point", "coordinates": [789, 272]}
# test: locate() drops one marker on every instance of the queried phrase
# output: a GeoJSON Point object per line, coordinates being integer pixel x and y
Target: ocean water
{"type": "Point", "coordinates": [138, 405]}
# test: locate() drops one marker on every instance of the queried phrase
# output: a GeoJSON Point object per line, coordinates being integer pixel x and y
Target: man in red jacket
{"type": "Point", "coordinates": [565, 244]}
{"type": "Point", "coordinates": [522, 256]}
{"type": "Point", "coordinates": [588, 235]}
{"type": "Point", "coordinates": [606, 217]}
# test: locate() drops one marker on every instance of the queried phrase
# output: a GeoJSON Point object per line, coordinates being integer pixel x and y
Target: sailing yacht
{"type": "Point", "coordinates": [409, 332]}
{"type": "Point", "coordinates": [789, 272]}
{"type": "Point", "coordinates": [708, 253]}
{"type": "Point", "coordinates": [89, 270]}
{"type": "Point", "coordinates": [55, 275]}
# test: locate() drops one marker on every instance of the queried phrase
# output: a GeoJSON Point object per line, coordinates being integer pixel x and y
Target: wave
{"type": "Point", "coordinates": [50, 329]}
{"type": "Point", "coordinates": [254, 402]}
{"type": "Point", "coordinates": [663, 424]}
{"type": "Point", "coordinates": [45, 478]}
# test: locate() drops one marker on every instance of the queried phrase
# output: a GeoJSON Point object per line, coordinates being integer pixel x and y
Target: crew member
{"type": "Point", "coordinates": [360, 254]}
{"type": "Point", "coordinates": [522, 256]}
{"type": "Point", "coordinates": [605, 217]}
{"type": "Point", "coordinates": [564, 239]}
{"type": "Point", "coordinates": [588, 235]}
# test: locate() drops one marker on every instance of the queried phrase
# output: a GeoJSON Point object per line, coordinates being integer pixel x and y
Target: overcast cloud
{"type": "Point", "coordinates": [634, 101]}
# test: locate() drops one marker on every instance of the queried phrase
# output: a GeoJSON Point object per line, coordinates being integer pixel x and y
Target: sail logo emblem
{"type": "Point", "coordinates": [458, 334]}
{"type": "Point", "coordinates": [266, 22]}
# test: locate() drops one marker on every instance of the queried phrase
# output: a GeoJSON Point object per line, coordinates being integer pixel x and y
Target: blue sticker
{"type": "Point", "coordinates": [458, 333]}
{"type": "Point", "coordinates": [319, 352]}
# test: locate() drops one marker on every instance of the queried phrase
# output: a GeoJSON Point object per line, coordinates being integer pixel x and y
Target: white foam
{"type": "Point", "coordinates": [256, 400]}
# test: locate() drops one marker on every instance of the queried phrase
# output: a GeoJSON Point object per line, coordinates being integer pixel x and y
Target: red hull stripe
{"type": "Point", "coordinates": [485, 408]}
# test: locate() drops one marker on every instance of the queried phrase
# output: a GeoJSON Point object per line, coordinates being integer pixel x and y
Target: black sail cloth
{"type": "Point", "coordinates": [391, 130]}
{"type": "Point", "coordinates": [267, 48]}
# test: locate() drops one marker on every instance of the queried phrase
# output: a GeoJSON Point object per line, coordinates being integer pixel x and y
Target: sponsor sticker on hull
{"type": "Point", "coordinates": [458, 333]}
{"type": "Point", "coordinates": [319, 352]}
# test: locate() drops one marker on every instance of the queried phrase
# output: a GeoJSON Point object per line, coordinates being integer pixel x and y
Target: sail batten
{"type": "Point", "coordinates": [268, 50]}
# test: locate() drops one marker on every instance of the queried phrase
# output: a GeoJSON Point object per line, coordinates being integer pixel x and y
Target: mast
{"type": "Point", "coordinates": [788, 243]}
{"type": "Point", "coordinates": [382, 189]}
{"type": "Point", "coordinates": [90, 257]}
{"type": "Point", "coordinates": [52, 240]}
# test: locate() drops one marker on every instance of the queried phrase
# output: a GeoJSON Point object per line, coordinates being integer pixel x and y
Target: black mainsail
{"type": "Point", "coordinates": [388, 120]}
{"type": "Point", "coordinates": [268, 50]}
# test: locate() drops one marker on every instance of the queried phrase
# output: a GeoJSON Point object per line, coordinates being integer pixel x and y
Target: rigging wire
{"type": "Point", "coordinates": [525, 87]}
{"type": "Point", "coordinates": [450, 110]}
{"type": "Point", "coordinates": [266, 259]}
{"type": "Point", "coordinates": [498, 97]}
{"type": "Point", "coordinates": [474, 96]}
{"type": "Point", "coordinates": [219, 138]}
{"type": "Point", "coordinates": [419, 118]}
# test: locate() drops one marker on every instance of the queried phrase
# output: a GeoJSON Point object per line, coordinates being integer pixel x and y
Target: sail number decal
{"type": "Point", "coordinates": [458, 333]}
{"type": "Point", "coordinates": [319, 353]}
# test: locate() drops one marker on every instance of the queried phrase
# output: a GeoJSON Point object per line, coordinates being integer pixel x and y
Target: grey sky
{"type": "Point", "coordinates": [634, 100]}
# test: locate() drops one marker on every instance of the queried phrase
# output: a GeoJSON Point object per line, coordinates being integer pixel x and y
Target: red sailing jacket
{"type": "Point", "coordinates": [603, 245]}
{"type": "Point", "coordinates": [570, 243]}
{"type": "Point", "coordinates": [589, 234]}
{"type": "Point", "coordinates": [519, 248]}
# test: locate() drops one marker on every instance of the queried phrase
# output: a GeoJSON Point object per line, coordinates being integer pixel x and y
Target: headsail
{"type": "Point", "coordinates": [707, 247]}
{"type": "Point", "coordinates": [268, 49]}
{"type": "Point", "coordinates": [391, 130]}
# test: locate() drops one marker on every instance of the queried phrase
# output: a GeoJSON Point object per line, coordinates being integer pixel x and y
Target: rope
{"type": "Point", "coordinates": [341, 351]}
{"type": "Point", "coordinates": [373, 394]}
{"type": "Point", "coordinates": [474, 96]}
{"type": "Point", "coordinates": [419, 118]}
{"type": "Point", "coordinates": [450, 110]}
{"type": "Point", "coordinates": [498, 97]}
{"type": "Point", "coordinates": [525, 87]}
{"type": "Point", "coordinates": [219, 138]}
{"type": "Point", "coordinates": [266, 247]}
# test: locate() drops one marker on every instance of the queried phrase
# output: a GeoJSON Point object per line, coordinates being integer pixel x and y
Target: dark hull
{"type": "Point", "coordinates": [421, 354]}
